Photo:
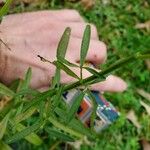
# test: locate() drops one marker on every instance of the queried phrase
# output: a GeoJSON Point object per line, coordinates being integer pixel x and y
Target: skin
{"type": "Point", "coordinates": [38, 33]}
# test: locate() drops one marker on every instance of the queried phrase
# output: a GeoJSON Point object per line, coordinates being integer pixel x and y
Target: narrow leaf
{"type": "Point", "coordinates": [56, 79]}
{"type": "Point", "coordinates": [41, 96]}
{"type": "Point", "coordinates": [3, 125]}
{"type": "Point", "coordinates": [27, 79]}
{"type": "Point", "coordinates": [85, 44]}
{"type": "Point", "coordinates": [76, 103]}
{"type": "Point", "coordinates": [4, 146]}
{"type": "Point", "coordinates": [61, 113]}
{"type": "Point", "coordinates": [60, 65]}
{"type": "Point", "coordinates": [63, 44]}
{"type": "Point", "coordinates": [68, 63]}
{"type": "Point", "coordinates": [80, 127]}
{"type": "Point", "coordinates": [63, 127]}
{"type": "Point", "coordinates": [25, 115]}
{"type": "Point", "coordinates": [58, 134]}
{"type": "Point", "coordinates": [6, 91]}
{"type": "Point", "coordinates": [32, 138]}
{"type": "Point", "coordinates": [5, 8]}
{"type": "Point", "coordinates": [42, 109]}
{"type": "Point", "coordinates": [27, 92]}
{"type": "Point", "coordinates": [92, 71]}
{"type": "Point", "coordinates": [13, 86]}
{"type": "Point", "coordinates": [25, 132]}
{"type": "Point", "coordinates": [58, 97]}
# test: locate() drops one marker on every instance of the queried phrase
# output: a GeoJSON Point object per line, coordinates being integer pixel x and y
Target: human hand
{"type": "Point", "coordinates": [38, 33]}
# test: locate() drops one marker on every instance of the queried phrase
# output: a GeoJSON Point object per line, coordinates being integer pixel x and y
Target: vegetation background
{"type": "Point", "coordinates": [124, 25]}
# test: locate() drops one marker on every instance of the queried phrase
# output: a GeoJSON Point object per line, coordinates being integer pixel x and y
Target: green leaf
{"type": "Point", "coordinates": [85, 45]}
{"type": "Point", "coordinates": [58, 134]}
{"type": "Point", "coordinates": [13, 86]}
{"type": "Point", "coordinates": [42, 109]}
{"type": "Point", "coordinates": [25, 115]}
{"type": "Point", "coordinates": [41, 96]}
{"type": "Point", "coordinates": [76, 103]}
{"type": "Point", "coordinates": [56, 79]}
{"type": "Point", "coordinates": [60, 65]}
{"type": "Point", "coordinates": [58, 97]}
{"type": "Point", "coordinates": [5, 8]}
{"type": "Point", "coordinates": [19, 109]}
{"type": "Point", "coordinates": [66, 62]}
{"type": "Point", "coordinates": [92, 71]}
{"type": "Point", "coordinates": [27, 132]}
{"type": "Point", "coordinates": [3, 125]}
{"type": "Point", "coordinates": [61, 113]}
{"type": "Point", "coordinates": [4, 146]}
{"type": "Point", "coordinates": [27, 92]}
{"type": "Point", "coordinates": [80, 127]}
{"type": "Point", "coordinates": [63, 44]}
{"type": "Point", "coordinates": [63, 127]}
{"type": "Point", "coordinates": [6, 91]}
{"type": "Point", "coordinates": [32, 138]}
{"type": "Point", "coordinates": [27, 79]}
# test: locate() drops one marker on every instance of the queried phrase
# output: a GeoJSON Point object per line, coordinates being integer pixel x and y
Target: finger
{"type": "Point", "coordinates": [48, 26]}
{"type": "Point", "coordinates": [111, 84]}
{"type": "Point", "coordinates": [61, 15]}
{"type": "Point", "coordinates": [77, 29]}
{"type": "Point", "coordinates": [97, 52]}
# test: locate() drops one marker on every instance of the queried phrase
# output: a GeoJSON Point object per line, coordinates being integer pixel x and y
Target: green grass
{"type": "Point", "coordinates": [115, 22]}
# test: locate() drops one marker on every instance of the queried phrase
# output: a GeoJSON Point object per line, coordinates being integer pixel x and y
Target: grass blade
{"type": "Point", "coordinates": [25, 132]}
{"type": "Point", "coordinates": [25, 115]}
{"type": "Point", "coordinates": [76, 103]}
{"type": "Point", "coordinates": [61, 113]}
{"type": "Point", "coordinates": [63, 44]}
{"type": "Point", "coordinates": [27, 79]}
{"type": "Point", "coordinates": [80, 127]}
{"type": "Point", "coordinates": [5, 8]}
{"type": "Point", "coordinates": [56, 79]}
{"type": "Point", "coordinates": [6, 91]}
{"type": "Point", "coordinates": [3, 125]}
{"type": "Point", "coordinates": [4, 146]}
{"type": "Point", "coordinates": [58, 134]}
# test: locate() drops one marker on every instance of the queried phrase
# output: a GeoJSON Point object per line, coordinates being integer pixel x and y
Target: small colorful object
{"type": "Point", "coordinates": [106, 112]}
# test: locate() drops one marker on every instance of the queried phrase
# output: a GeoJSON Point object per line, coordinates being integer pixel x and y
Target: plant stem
{"type": "Point", "coordinates": [113, 67]}
{"type": "Point", "coordinates": [92, 79]}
